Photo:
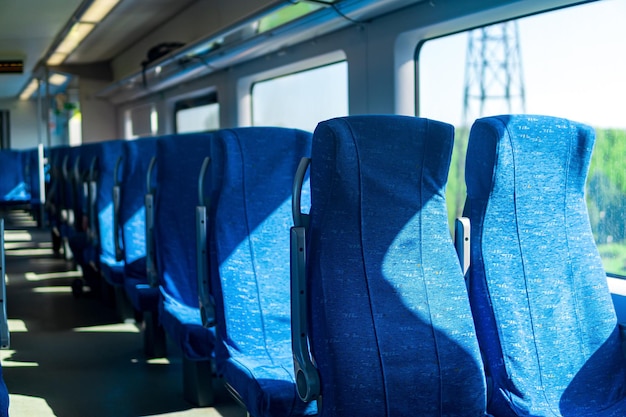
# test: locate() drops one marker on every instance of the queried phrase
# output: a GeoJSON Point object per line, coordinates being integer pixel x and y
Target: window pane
{"type": "Point", "coordinates": [198, 119]}
{"type": "Point", "coordinates": [572, 67]}
{"type": "Point", "coordinates": [141, 121]}
{"type": "Point", "coordinates": [303, 99]}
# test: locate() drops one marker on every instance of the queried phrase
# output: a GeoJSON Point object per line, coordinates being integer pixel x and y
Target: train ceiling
{"type": "Point", "coordinates": [28, 29]}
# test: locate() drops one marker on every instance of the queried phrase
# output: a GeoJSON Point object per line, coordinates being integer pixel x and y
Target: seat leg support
{"type": "Point", "coordinates": [123, 306]}
{"type": "Point", "coordinates": [154, 341]}
{"type": "Point", "coordinates": [198, 382]}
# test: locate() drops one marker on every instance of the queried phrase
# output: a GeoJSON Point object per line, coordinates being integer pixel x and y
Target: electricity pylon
{"type": "Point", "coordinates": [494, 82]}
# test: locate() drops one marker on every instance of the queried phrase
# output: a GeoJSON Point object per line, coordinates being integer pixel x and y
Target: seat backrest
{"type": "Point", "coordinates": [137, 156]}
{"type": "Point", "coordinates": [31, 174]}
{"type": "Point", "coordinates": [108, 153]}
{"type": "Point", "coordinates": [89, 159]}
{"type": "Point", "coordinates": [390, 326]}
{"type": "Point", "coordinates": [538, 290]}
{"type": "Point", "coordinates": [13, 187]}
{"type": "Point", "coordinates": [179, 159]}
{"type": "Point", "coordinates": [252, 171]}
{"type": "Point", "coordinates": [56, 190]}
{"type": "Point", "coordinates": [68, 165]}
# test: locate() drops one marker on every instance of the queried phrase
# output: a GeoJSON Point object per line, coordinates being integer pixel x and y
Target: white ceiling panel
{"type": "Point", "coordinates": [27, 27]}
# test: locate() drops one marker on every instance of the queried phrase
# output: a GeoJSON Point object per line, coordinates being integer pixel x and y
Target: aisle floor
{"type": "Point", "coordinates": [72, 356]}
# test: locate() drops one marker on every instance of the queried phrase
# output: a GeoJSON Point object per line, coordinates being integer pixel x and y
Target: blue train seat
{"type": "Point", "coordinates": [133, 185]}
{"type": "Point", "coordinates": [32, 160]}
{"type": "Point", "coordinates": [91, 233]}
{"type": "Point", "coordinates": [61, 207]}
{"type": "Point", "coordinates": [13, 186]}
{"type": "Point", "coordinates": [389, 322]}
{"type": "Point", "coordinates": [70, 160]}
{"type": "Point", "coordinates": [81, 238]}
{"type": "Point", "coordinates": [179, 159]}
{"type": "Point", "coordinates": [108, 154]}
{"type": "Point", "coordinates": [543, 312]}
{"type": "Point", "coordinates": [252, 172]}
{"type": "Point", "coordinates": [54, 195]}
{"type": "Point", "coordinates": [34, 176]}
{"type": "Point", "coordinates": [132, 220]}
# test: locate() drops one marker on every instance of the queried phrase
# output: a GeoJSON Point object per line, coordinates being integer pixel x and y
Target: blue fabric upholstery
{"type": "Point", "coordinates": [539, 295]}
{"type": "Point", "coordinates": [108, 153]}
{"type": "Point", "coordinates": [13, 187]}
{"type": "Point", "coordinates": [84, 248]}
{"type": "Point", "coordinates": [138, 154]}
{"type": "Point", "coordinates": [69, 196]}
{"type": "Point", "coordinates": [4, 397]}
{"type": "Point", "coordinates": [252, 175]}
{"type": "Point", "coordinates": [179, 159]}
{"type": "Point", "coordinates": [55, 193]}
{"type": "Point", "coordinates": [88, 152]}
{"type": "Point", "coordinates": [31, 174]}
{"type": "Point", "coordinates": [390, 328]}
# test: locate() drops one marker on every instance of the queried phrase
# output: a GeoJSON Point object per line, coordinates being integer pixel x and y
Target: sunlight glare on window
{"type": "Point", "coordinates": [303, 99]}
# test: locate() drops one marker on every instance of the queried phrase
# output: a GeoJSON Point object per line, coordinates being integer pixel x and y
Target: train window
{"type": "Point", "coordinates": [564, 63]}
{"type": "Point", "coordinates": [141, 121]}
{"type": "Point", "coordinates": [74, 130]}
{"type": "Point", "coordinates": [198, 114]}
{"type": "Point", "coordinates": [286, 14]}
{"type": "Point", "coordinates": [302, 99]}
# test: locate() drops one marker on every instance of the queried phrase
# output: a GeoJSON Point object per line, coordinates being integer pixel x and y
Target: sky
{"type": "Point", "coordinates": [573, 65]}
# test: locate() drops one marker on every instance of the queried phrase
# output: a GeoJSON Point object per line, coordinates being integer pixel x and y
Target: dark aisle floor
{"type": "Point", "coordinates": [71, 356]}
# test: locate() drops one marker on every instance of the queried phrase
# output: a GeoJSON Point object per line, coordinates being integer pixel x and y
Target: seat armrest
{"type": "Point", "coordinates": [117, 193]}
{"type": "Point", "coordinates": [207, 308]}
{"type": "Point", "coordinates": [4, 320]}
{"type": "Point", "coordinates": [462, 242]}
{"type": "Point", "coordinates": [92, 211]}
{"type": "Point", "coordinates": [119, 253]}
{"type": "Point", "coordinates": [41, 163]}
{"type": "Point", "coordinates": [307, 377]}
{"type": "Point", "coordinates": [151, 271]}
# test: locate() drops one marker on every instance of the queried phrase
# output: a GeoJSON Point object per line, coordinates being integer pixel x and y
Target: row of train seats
{"type": "Point", "coordinates": [338, 292]}
{"type": "Point", "coordinates": [21, 184]}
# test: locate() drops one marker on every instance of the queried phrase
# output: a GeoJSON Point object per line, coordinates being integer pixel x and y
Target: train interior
{"type": "Point", "coordinates": [150, 159]}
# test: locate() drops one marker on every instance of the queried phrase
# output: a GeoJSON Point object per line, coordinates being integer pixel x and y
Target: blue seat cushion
{"type": "Point", "coordinates": [113, 274]}
{"type": "Point", "coordinates": [183, 324]}
{"type": "Point", "coordinates": [142, 296]}
{"type": "Point", "coordinates": [269, 388]}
